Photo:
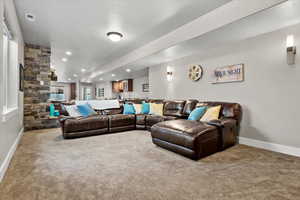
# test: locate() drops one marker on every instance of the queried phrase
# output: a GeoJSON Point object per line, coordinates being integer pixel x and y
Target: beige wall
{"type": "Point", "coordinates": [270, 94]}
{"type": "Point", "coordinates": [10, 129]}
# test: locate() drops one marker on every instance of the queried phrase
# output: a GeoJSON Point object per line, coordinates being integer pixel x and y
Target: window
{"type": "Point", "coordinates": [10, 74]}
{"type": "Point", "coordinates": [87, 93]}
{"type": "Point", "coordinates": [100, 92]}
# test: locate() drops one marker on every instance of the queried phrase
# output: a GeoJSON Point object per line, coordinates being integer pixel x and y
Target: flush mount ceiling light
{"type": "Point", "coordinates": [100, 79]}
{"type": "Point", "coordinates": [83, 70]}
{"type": "Point", "coordinates": [30, 17]}
{"type": "Point", "coordinates": [128, 70]}
{"type": "Point", "coordinates": [114, 36]}
{"type": "Point", "coordinates": [64, 59]}
{"type": "Point", "coordinates": [75, 75]}
{"type": "Point", "coordinates": [69, 79]}
{"type": "Point", "coordinates": [69, 53]}
{"type": "Point", "coordinates": [113, 75]}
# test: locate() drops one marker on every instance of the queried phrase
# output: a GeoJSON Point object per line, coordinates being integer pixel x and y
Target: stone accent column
{"type": "Point", "coordinates": [37, 77]}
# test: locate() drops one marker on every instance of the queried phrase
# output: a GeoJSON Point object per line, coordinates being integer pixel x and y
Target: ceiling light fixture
{"type": "Point", "coordinates": [64, 59]}
{"type": "Point", "coordinates": [30, 17]}
{"type": "Point", "coordinates": [114, 36]}
{"type": "Point", "coordinates": [83, 70]}
{"type": "Point", "coordinates": [128, 70]}
{"type": "Point", "coordinates": [69, 53]}
{"type": "Point", "coordinates": [75, 75]}
{"type": "Point", "coordinates": [69, 79]}
{"type": "Point", "coordinates": [100, 79]}
{"type": "Point", "coordinates": [113, 75]}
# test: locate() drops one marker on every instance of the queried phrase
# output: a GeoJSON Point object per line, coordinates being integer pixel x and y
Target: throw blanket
{"type": "Point", "coordinates": [101, 104]}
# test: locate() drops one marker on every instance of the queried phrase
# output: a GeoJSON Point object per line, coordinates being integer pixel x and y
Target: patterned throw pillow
{"type": "Point", "coordinates": [212, 113]}
{"type": "Point", "coordinates": [156, 109]}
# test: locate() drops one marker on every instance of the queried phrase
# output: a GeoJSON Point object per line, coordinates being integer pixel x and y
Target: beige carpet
{"type": "Point", "coordinates": [128, 166]}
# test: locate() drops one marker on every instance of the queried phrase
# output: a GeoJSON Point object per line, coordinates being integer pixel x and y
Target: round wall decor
{"type": "Point", "coordinates": [195, 72]}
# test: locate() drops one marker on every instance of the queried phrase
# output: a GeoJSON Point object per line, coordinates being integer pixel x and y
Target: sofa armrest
{"type": "Point", "coordinates": [228, 131]}
{"type": "Point", "coordinates": [224, 122]}
{"type": "Point", "coordinates": [63, 118]}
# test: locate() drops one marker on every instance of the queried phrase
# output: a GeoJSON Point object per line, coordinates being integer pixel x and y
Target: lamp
{"type": "Point", "coordinates": [291, 50]}
{"type": "Point", "coordinates": [169, 73]}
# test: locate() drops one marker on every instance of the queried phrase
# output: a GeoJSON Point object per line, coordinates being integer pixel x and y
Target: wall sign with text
{"type": "Point", "coordinates": [228, 74]}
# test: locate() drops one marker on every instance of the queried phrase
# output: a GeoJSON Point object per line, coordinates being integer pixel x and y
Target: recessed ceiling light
{"type": "Point", "coordinates": [30, 17]}
{"type": "Point", "coordinates": [83, 70]}
{"type": "Point", "coordinates": [69, 79]}
{"type": "Point", "coordinates": [75, 75]}
{"type": "Point", "coordinates": [100, 79]}
{"type": "Point", "coordinates": [128, 70]}
{"type": "Point", "coordinates": [114, 36]}
{"type": "Point", "coordinates": [113, 75]}
{"type": "Point", "coordinates": [64, 59]}
{"type": "Point", "coordinates": [69, 53]}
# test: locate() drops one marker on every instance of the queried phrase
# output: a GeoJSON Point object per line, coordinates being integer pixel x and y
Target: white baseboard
{"type": "Point", "coordinates": [5, 164]}
{"type": "Point", "coordinates": [294, 151]}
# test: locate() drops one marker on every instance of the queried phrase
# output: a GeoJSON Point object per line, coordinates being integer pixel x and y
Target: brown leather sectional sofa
{"type": "Point", "coordinates": [172, 131]}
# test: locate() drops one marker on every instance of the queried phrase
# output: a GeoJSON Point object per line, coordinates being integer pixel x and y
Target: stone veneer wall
{"type": "Point", "coordinates": [37, 77]}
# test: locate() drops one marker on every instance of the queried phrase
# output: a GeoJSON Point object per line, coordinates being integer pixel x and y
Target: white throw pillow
{"type": "Point", "coordinates": [72, 111]}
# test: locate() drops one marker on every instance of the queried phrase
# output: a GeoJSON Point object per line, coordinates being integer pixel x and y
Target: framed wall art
{"type": "Point", "coordinates": [229, 74]}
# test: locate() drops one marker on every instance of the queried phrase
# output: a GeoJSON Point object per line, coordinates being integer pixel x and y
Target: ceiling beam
{"type": "Point", "coordinates": [222, 16]}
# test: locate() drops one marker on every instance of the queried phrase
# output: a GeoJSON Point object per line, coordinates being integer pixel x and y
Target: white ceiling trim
{"type": "Point", "coordinates": [224, 15]}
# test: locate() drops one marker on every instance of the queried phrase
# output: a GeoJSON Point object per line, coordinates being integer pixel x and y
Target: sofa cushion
{"type": "Point", "coordinates": [154, 119]}
{"type": "Point", "coordinates": [121, 120]}
{"type": "Point", "coordinates": [228, 110]}
{"type": "Point", "coordinates": [85, 123]}
{"type": "Point", "coordinates": [174, 108]}
{"type": "Point", "coordinates": [141, 119]}
{"type": "Point", "coordinates": [189, 106]}
{"type": "Point", "coordinates": [181, 132]}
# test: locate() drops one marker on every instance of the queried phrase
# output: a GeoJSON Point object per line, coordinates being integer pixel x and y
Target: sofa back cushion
{"type": "Point", "coordinates": [174, 108]}
{"type": "Point", "coordinates": [189, 106]}
{"type": "Point", "coordinates": [228, 110]}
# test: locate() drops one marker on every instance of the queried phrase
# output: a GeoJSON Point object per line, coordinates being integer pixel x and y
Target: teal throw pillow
{"type": "Point", "coordinates": [145, 108]}
{"type": "Point", "coordinates": [85, 110]}
{"type": "Point", "coordinates": [128, 109]}
{"type": "Point", "coordinates": [197, 113]}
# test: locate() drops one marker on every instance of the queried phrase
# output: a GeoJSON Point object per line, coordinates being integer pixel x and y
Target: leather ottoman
{"type": "Point", "coordinates": [121, 122]}
{"type": "Point", "coordinates": [85, 126]}
{"type": "Point", "coordinates": [192, 139]}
